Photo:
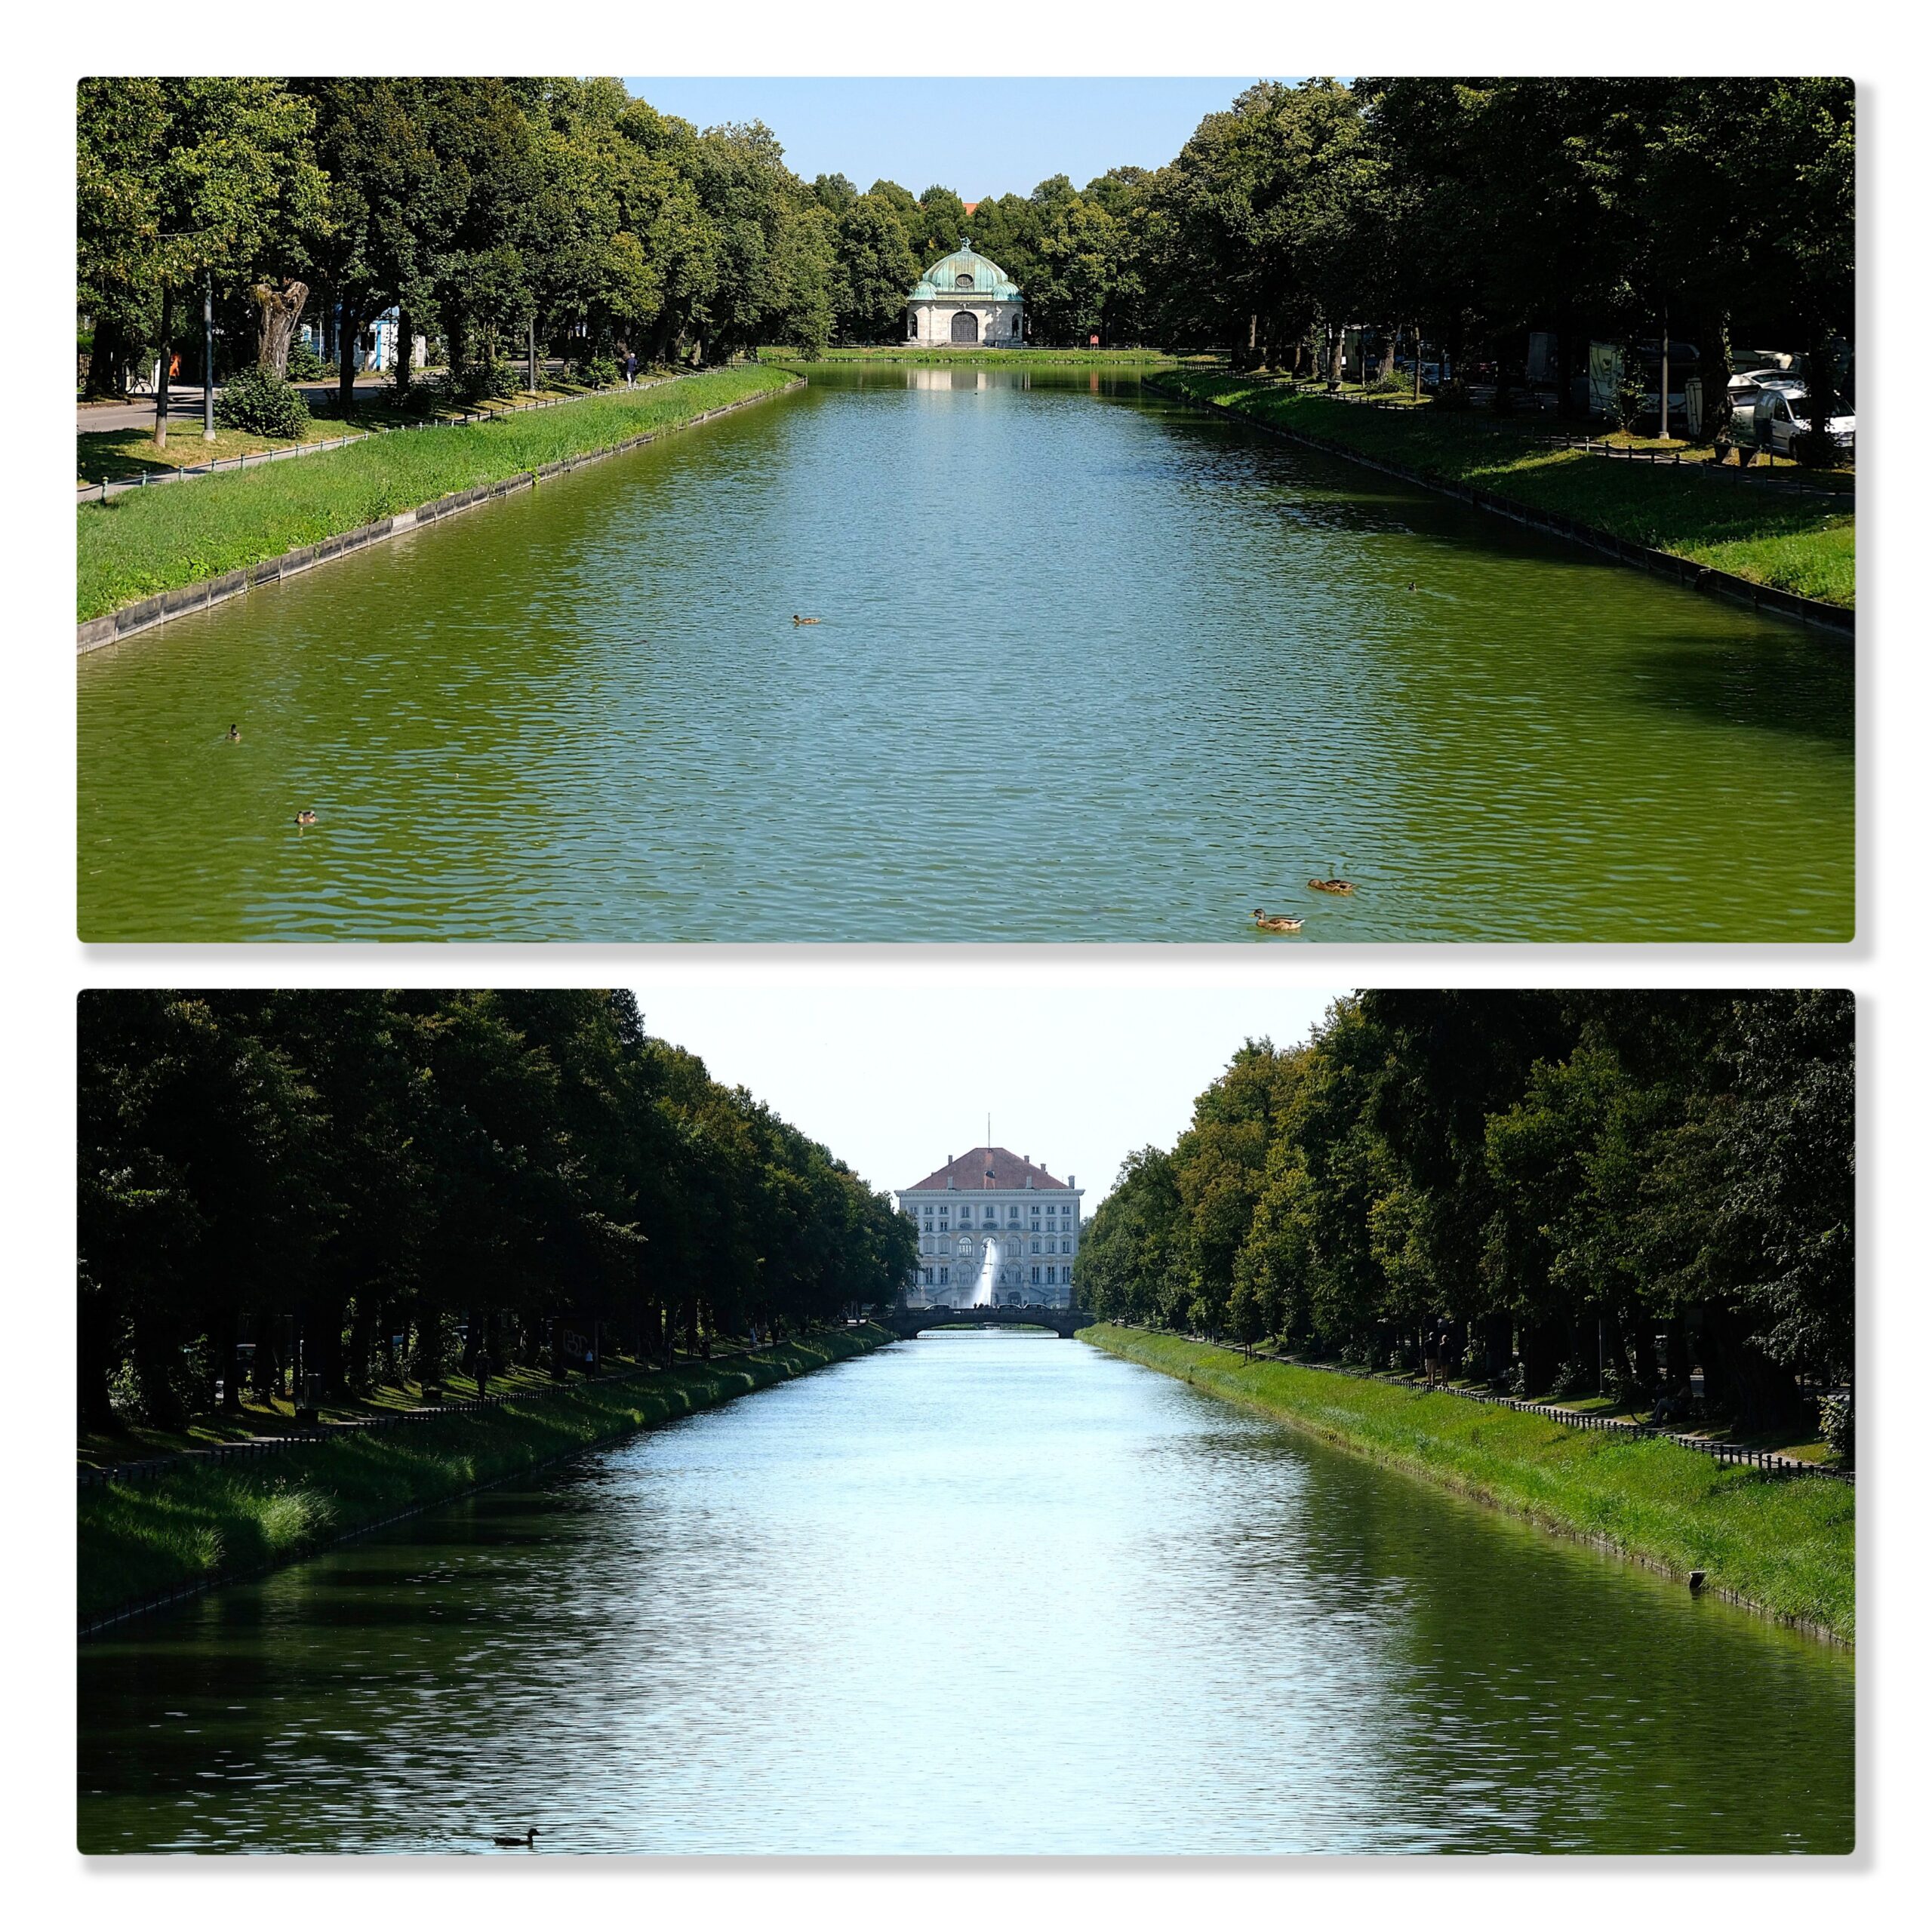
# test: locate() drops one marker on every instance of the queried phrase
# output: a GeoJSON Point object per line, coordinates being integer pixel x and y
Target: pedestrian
{"type": "Point", "coordinates": [630, 370]}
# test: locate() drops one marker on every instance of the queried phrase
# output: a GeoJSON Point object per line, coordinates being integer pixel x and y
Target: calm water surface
{"type": "Point", "coordinates": [1092, 666]}
{"type": "Point", "coordinates": [981, 1592]}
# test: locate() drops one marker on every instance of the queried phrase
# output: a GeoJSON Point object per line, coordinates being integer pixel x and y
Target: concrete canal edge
{"type": "Point", "coordinates": [131, 619]}
{"type": "Point", "coordinates": [1114, 1340]}
{"type": "Point", "coordinates": [1812, 610]}
{"type": "Point", "coordinates": [849, 1344]}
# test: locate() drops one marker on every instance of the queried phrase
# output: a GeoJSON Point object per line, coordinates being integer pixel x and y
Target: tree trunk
{"type": "Point", "coordinates": [1714, 377]}
{"type": "Point", "coordinates": [95, 1362]}
{"type": "Point", "coordinates": [349, 336]}
{"type": "Point", "coordinates": [326, 1352]}
{"type": "Point", "coordinates": [533, 355]}
{"type": "Point", "coordinates": [405, 358]}
{"type": "Point", "coordinates": [223, 1330]}
{"type": "Point", "coordinates": [278, 310]}
{"type": "Point", "coordinates": [161, 372]}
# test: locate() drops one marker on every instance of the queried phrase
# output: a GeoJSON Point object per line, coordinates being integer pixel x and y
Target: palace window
{"type": "Point", "coordinates": [945, 1277]}
{"type": "Point", "coordinates": [1036, 1276]}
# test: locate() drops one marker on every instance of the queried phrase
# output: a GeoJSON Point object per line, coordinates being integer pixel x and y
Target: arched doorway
{"type": "Point", "coordinates": [965, 326]}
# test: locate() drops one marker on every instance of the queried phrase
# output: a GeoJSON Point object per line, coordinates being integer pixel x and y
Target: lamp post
{"type": "Point", "coordinates": [207, 357]}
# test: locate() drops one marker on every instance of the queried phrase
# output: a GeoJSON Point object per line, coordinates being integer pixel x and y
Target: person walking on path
{"type": "Point", "coordinates": [630, 370]}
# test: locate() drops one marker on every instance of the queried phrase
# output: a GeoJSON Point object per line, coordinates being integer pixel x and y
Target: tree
{"type": "Point", "coordinates": [876, 270]}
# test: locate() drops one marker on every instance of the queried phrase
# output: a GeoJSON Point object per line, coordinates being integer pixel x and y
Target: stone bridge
{"type": "Point", "coordinates": [1065, 1322]}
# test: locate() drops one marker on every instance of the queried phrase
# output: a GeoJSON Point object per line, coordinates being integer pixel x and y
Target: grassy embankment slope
{"type": "Point", "coordinates": [204, 1522]}
{"type": "Point", "coordinates": [1790, 541]}
{"type": "Point", "coordinates": [1785, 1545]}
{"type": "Point", "coordinates": [150, 540]}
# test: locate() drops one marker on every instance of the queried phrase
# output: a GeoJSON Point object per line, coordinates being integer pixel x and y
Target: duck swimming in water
{"type": "Point", "coordinates": [234, 734]}
{"type": "Point", "coordinates": [1331, 884]}
{"type": "Point", "coordinates": [1275, 922]}
{"type": "Point", "coordinates": [305, 816]}
{"type": "Point", "coordinates": [797, 619]}
{"type": "Point", "coordinates": [528, 1840]}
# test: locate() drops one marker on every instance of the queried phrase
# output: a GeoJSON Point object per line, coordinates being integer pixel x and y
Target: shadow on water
{"type": "Point", "coordinates": [1805, 692]}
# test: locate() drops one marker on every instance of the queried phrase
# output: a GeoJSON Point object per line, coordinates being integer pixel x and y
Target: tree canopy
{"type": "Point", "coordinates": [1560, 1178]}
{"type": "Point", "coordinates": [373, 1184]}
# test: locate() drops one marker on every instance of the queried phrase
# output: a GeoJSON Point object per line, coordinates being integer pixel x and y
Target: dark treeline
{"type": "Point", "coordinates": [1459, 214]}
{"type": "Point", "coordinates": [369, 1187]}
{"type": "Point", "coordinates": [1551, 1179]}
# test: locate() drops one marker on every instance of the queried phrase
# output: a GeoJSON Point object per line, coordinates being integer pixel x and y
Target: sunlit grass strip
{"type": "Point", "coordinates": [1804, 544]}
{"type": "Point", "coordinates": [148, 541]}
{"type": "Point", "coordinates": [209, 1521]}
{"type": "Point", "coordinates": [1783, 1544]}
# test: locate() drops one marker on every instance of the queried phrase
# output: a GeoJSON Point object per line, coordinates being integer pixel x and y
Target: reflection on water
{"type": "Point", "coordinates": [981, 1592]}
{"type": "Point", "coordinates": [1091, 666]}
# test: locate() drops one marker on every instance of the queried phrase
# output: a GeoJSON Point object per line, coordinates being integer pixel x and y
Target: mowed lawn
{"type": "Point", "coordinates": [1786, 1544]}
{"type": "Point", "coordinates": [1785, 538]}
{"type": "Point", "coordinates": [146, 541]}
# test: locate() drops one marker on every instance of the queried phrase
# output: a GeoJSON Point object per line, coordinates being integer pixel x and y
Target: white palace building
{"type": "Point", "coordinates": [964, 301]}
{"type": "Point", "coordinates": [995, 1230]}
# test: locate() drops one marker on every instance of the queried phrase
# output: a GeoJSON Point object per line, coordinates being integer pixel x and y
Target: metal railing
{"type": "Point", "coordinates": [1768, 1460]}
{"type": "Point", "coordinates": [151, 1468]}
{"type": "Point", "coordinates": [457, 418]}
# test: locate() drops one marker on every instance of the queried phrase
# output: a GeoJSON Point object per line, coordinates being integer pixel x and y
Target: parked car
{"type": "Point", "coordinates": [1745, 384]}
{"type": "Point", "coordinates": [1778, 418]}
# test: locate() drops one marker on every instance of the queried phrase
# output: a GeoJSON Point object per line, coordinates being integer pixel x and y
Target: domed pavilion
{"type": "Point", "coordinates": [964, 301]}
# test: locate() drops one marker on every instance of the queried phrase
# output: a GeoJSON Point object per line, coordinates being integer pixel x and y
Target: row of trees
{"type": "Point", "coordinates": [366, 1185]}
{"type": "Point", "coordinates": [1554, 1180]}
{"type": "Point", "coordinates": [507, 214]}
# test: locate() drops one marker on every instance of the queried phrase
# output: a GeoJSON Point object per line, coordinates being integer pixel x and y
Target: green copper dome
{"type": "Point", "coordinates": [965, 272]}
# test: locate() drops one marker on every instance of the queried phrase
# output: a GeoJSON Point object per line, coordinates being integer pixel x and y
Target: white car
{"type": "Point", "coordinates": [1745, 384]}
{"type": "Point", "coordinates": [1778, 418]}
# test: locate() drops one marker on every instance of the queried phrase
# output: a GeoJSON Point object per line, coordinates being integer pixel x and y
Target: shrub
{"type": "Point", "coordinates": [1835, 1424]}
{"type": "Point", "coordinates": [1391, 384]}
{"type": "Point", "coordinates": [261, 404]}
{"type": "Point", "coordinates": [1452, 394]}
{"type": "Point", "coordinates": [1571, 1379]}
{"type": "Point", "coordinates": [479, 381]}
{"type": "Point", "coordinates": [596, 372]}
{"type": "Point", "coordinates": [304, 364]}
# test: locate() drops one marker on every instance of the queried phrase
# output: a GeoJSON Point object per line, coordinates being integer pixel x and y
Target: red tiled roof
{"type": "Point", "coordinates": [987, 1167]}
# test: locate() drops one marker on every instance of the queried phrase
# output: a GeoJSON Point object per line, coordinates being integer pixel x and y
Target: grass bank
{"type": "Point", "coordinates": [148, 541]}
{"type": "Point", "coordinates": [1784, 1545]}
{"type": "Point", "coordinates": [1791, 541]}
{"type": "Point", "coordinates": [205, 1523]}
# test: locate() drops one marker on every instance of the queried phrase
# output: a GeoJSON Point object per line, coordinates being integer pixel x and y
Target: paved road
{"type": "Point", "coordinates": [184, 406]}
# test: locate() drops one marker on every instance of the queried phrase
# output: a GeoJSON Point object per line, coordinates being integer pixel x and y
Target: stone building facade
{"type": "Point", "coordinates": [994, 1230]}
{"type": "Point", "coordinates": [964, 301]}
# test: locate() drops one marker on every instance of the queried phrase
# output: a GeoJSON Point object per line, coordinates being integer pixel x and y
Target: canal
{"type": "Point", "coordinates": [1091, 665]}
{"type": "Point", "coordinates": [978, 1592]}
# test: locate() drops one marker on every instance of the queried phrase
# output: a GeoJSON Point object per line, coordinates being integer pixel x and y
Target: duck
{"type": "Point", "coordinates": [305, 816]}
{"type": "Point", "coordinates": [797, 619]}
{"type": "Point", "coordinates": [1331, 884]}
{"type": "Point", "coordinates": [234, 734]}
{"type": "Point", "coordinates": [1275, 922]}
{"type": "Point", "coordinates": [528, 1840]}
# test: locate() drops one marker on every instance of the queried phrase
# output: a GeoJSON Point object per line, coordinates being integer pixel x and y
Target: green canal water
{"type": "Point", "coordinates": [980, 1592]}
{"type": "Point", "coordinates": [1092, 666]}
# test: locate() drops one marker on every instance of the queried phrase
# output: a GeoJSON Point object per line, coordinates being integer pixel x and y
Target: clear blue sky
{"type": "Point", "coordinates": [1084, 1071]}
{"type": "Point", "coordinates": [979, 137]}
